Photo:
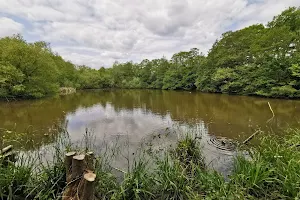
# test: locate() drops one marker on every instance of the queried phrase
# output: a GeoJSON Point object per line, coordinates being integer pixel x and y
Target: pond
{"type": "Point", "coordinates": [134, 116]}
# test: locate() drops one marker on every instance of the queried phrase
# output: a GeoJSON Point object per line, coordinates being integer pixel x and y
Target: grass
{"type": "Point", "coordinates": [13, 181]}
{"type": "Point", "coordinates": [274, 169]}
{"type": "Point", "coordinates": [271, 170]}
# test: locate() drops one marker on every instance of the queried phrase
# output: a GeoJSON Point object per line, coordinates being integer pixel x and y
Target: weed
{"type": "Point", "coordinates": [270, 172]}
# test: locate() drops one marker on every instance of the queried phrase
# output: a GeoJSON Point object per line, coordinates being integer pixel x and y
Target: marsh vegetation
{"type": "Point", "coordinates": [269, 171]}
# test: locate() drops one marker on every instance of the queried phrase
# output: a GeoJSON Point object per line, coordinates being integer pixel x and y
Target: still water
{"type": "Point", "coordinates": [138, 114]}
{"type": "Point", "coordinates": [136, 117]}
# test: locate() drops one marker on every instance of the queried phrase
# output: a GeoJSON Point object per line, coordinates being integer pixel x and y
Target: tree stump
{"type": "Point", "coordinates": [90, 160]}
{"type": "Point", "coordinates": [88, 186]}
{"type": "Point", "coordinates": [78, 166]}
{"type": "Point", "coordinates": [80, 176]}
{"type": "Point", "coordinates": [68, 164]}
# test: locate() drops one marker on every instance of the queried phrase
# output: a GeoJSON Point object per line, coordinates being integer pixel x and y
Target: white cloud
{"type": "Point", "coordinates": [9, 27]}
{"type": "Point", "coordinates": [98, 32]}
{"type": "Point", "coordinates": [263, 11]}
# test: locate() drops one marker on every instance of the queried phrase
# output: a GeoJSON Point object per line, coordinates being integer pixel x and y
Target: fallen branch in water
{"type": "Point", "coordinates": [272, 112]}
{"type": "Point", "coordinates": [6, 149]}
{"type": "Point", "coordinates": [251, 137]}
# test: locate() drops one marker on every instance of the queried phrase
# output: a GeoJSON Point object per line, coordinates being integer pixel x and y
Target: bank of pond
{"type": "Point", "coordinates": [267, 170]}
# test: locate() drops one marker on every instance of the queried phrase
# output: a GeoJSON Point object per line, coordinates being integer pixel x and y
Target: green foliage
{"type": "Point", "coordinates": [268, 170]}
{"type": "Point", "coordinates": [257, 60]}
{"type": "Point", "coordinates": [272, 172]}
{"type": "Point", "coordinates": [172, 180]}
{"type": "Point", "coordinates": [49, 182]}
{"type": "Point", "coordinates": [11, 81]}
{"type": "Point", "coordinates": [106, 185]}
{"type": "Point", "coordinates": [172, 80]}
{"type": "Point", "coordinates": [295, 68]}
{"type": "Point", "coordinates": [284, 91]}
{"type": "Point", "coordinates": [13, 181]}
{"type": "Point", "coordinates": [27, 70]}
{"type": "Point", "coordinates": [188, 151]}
{"type": "Point", "coordinates": [67, 73]}
{"type": "Point", "coordinates": [254, 175]}
{"type": "Point", "coordinates": [137, 184]}
{"type": "Point", "coordinates": [289, 18]}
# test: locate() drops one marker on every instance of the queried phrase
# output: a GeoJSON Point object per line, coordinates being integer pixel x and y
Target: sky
{"type": "Point", "coordinates": [99, 32]}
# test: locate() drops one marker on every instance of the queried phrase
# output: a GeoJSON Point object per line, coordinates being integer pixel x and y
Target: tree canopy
{"type": "Point", "coordinates": [257, 60]}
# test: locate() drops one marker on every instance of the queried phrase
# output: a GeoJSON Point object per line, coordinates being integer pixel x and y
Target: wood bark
{"type": "Point", "coordinates": [78, 166]}
{"type": "Point", "coordinates": [80, 177]}
{"type": "Point", "coordinates": [68, 164]}
{"type": "Point", "coordinates": [88, 186]}
{"type": "Point", "coordinates": [90, 160]}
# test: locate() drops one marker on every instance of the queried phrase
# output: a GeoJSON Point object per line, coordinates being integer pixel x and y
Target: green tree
{"type": "Point", "coordinates": [11, 80]}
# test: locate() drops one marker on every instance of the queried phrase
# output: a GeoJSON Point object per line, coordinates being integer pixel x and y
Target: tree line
{"type": "Point", "coordinates": [261, 60]}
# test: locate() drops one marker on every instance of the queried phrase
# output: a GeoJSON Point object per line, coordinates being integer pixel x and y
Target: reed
{"type": "Point", "coordinates": [269, 171]}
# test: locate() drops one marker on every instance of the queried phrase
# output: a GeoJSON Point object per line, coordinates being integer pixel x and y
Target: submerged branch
{"type": "Point", "coordinates": [272, 112]}
{"type": "Point", "coordinates": [251, 136]}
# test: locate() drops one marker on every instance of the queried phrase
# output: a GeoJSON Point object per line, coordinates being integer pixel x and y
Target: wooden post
{"type": "Point", "coordinates": [78, 166]}
{"type": "Point", "coordinates": [88, 186]}
{"type": "Point", "coordinates": [68, 164]}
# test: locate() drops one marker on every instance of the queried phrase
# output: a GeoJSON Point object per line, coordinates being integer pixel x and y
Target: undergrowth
{"type": "Point", "coordinates": [271, 170]}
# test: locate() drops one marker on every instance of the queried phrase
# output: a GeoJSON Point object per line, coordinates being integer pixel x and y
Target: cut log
{"type": "Point", "coordinates": [88, 186]}
{"type": "Point", "coordinates": [78, 166]}
{"type": "Point", "coordinates": [90, 160]}
{"type": "Point", "coordinates": [68, 164]}
{"type": "Point", "coordinates": [6, 149]}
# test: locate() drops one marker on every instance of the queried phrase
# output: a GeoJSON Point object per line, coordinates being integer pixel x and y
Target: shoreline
{"type": "Point", "coordinates": [175, 173]}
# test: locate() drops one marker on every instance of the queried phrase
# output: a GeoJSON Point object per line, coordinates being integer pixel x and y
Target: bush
{"type": "Point", "coordinates": [284, 91]}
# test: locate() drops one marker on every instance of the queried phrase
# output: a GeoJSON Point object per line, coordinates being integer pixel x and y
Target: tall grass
{"type": "Point", "coordinates": [271, 171]}
{"type": "Point", "coordinates": [13, 181]}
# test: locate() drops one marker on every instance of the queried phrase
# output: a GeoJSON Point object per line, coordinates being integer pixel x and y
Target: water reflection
{"type": "Point", "coordinates": [105, 121]}
{"type": "Point", "coordinates": [139, 113]}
